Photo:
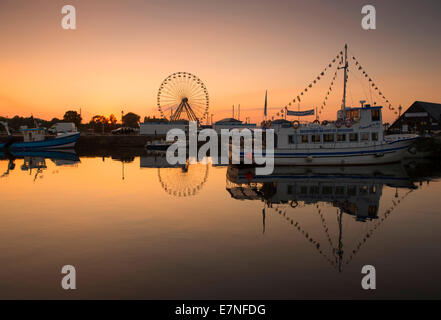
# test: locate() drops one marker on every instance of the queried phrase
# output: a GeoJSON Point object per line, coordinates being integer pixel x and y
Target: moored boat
{"type": "Point", "coordinates": [356, 137]}
{"type": "Point", "coordinates": [35, 139]}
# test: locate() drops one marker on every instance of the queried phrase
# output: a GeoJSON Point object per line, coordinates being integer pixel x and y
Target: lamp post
{"type": "Point", "coordinates": [399, 117]}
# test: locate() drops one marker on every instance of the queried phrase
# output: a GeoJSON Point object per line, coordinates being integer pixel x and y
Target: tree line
{"type": "Point", "coordinates": [97, 123]}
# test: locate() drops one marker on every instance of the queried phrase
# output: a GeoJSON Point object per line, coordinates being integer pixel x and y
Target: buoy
{"type": "Point", "coordinates": [338, 123]}
{"type": "Point", "coordinates": [348, 123]}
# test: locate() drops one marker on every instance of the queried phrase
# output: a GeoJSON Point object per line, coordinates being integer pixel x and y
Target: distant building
{"type": "Point", "coordinates": [420, 117]}
{"type": "Point", "coordinates": [231, 123]}
{"type": "Point", "coordinates": [160, 127]}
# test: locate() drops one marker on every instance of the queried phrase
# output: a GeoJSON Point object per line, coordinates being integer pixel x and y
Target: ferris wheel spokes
{"type": "Point", "coordinates": [184, 96]}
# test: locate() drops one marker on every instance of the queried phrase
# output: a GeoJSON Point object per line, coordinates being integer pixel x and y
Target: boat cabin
{"type": "Point", "coordinates": [353, 127]}
{"type": "Point", "coordinates": [33, 134]}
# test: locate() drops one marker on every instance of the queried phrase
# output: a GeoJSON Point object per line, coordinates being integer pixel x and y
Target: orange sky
{"type": "Point", "coordinates": [122, 50]}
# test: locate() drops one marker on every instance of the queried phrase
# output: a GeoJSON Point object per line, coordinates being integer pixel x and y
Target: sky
{"type": "Point", "coordinates": [121, 51]}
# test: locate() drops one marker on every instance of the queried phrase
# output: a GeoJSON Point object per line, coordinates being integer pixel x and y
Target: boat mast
{"type": "Point", "coordinates": [345, 77]}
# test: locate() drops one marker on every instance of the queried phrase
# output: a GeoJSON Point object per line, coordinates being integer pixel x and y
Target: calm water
{"type": "Point", "coordinates": [133, 230]}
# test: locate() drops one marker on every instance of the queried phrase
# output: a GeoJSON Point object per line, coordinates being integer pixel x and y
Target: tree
{"type": "Point", "coordinates": [112, 119]}
{"type": "Point", "coordinates": [99, 123]}
{"type": "Point", "coordinates": [131, 120]}
{"type": "Point", "coordinates": [72, 116]}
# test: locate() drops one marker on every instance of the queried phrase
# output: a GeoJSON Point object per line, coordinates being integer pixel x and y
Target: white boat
{"type": "Point", "coordinates": [356, 137]}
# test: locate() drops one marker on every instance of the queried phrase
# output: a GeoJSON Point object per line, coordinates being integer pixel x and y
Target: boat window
{"type": "Point", "coordinates": [353, 137]}
{"type": "Point", "coordinates": [352, 190]}
{"type": "Point", "coordinates": [328, 137]}
{"type": "Point", "coordinates": [303, 190]}
{"type": "Point", "coordinates": [315, 138]}
{"type": "Point", "coordinates": [339, 190]}
{"type": "Point", "coordinates": [327, 190]}
{"type": "Point", "coordinates": [314, 190]}
{"type": "Point", "coordinates": [291, 139]}
{"type": "Point", "coordinates": [354, 115]}
{"type": "Point", "coordinates": [304, 138]}
{"type": "Point", "coordinates": [289, 191]}
{"type": "Point", "coordinates": [363, 190]}
{"type": "Point", "coordinates": [375, 115]}
{"type": "Point", "coordinates": [372, 211]}
{"type": "Point", "coordinates": [374, 136]}
{"type": "Point", "coordinates": [341, 137]}
{"type": "Point", "coordinates": [364, 136]}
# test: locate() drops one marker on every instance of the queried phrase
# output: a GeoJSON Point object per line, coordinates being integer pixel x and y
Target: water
{"type": "Point", "coordinates": [133, 230]}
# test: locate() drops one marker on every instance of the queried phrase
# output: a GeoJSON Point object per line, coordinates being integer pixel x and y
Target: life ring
{"type": "Point", "coordinates": [339, 123]}
{"type": "Point", "coordinates": [348, 123]}
{"type": "Point", "coordinates": [295, 124]}
{"type": "Point", "coordinates": [324, 122]}
{"type": "Point", "coordinates": [293, 203]}
{"type": "Point", "coordinates": [316, 121]}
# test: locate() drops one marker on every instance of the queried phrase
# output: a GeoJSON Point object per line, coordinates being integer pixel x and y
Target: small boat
{"type": "Point", "coordinates": [35, 139]}
{"type": "Point", "coordinates": [158, 145]}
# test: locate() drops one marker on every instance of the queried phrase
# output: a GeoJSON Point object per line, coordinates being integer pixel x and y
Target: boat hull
{"type": "Point", "coordinates": [63, 142]}
{"type": "Point", "coordinates": [378, 154]}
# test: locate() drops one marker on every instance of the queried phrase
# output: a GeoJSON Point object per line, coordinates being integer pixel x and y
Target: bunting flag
{"type": "Point", "coordinates": [373, 85]}
{"type": "Point", "coordinates": [318, 78]}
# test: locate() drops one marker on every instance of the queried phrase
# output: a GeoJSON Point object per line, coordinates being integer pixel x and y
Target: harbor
{"type": "Point", "coordinates": [235, 155]}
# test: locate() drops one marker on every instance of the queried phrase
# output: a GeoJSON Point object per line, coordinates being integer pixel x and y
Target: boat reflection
{"type": "Point", "coordinates": [354, 191]}
{"type": "Point", "coordinates": [35, 161]}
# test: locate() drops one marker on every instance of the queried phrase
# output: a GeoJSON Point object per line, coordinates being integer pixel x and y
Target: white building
{"type": "Point", "coordinates": [231, 123]}
{"type": "Point", "coordinates": [160, 127]}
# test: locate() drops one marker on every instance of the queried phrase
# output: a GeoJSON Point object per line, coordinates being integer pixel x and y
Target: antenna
{"type": "Point", "coordinates": [238, 111]}
{"type": "Point", "coordinates": [266, 105]}
{"type": "Point", "coordinates": [345, 77]}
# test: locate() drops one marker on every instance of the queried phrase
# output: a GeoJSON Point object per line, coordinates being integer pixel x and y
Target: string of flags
{"type": "Point", "coordinates": [373, 85]}
{"type": "Point", "coordinates": [334, 260]}
{"type": "Point", "coordinates": [358, 66]}
{"type": "Point", "coordinates": [370, 232]}
{"type": "Point", "coordinates": [315, 81]}
{"type": "Point", "coordinates": [308, 238]}
{"type": "Point", "coordinates": [330, 88]}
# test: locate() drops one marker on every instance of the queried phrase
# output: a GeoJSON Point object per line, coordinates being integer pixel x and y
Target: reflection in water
{"type": "Point", "coordinates": [35, 161]}
{"type": "Point", "coordinates": [355, 191]}
{"type": "Point", "coordinates": [247, 236]}
{"type": "Point", "coordinates": [177, 180]}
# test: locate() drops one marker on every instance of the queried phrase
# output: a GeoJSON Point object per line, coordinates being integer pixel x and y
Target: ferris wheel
{"type": "Point", "coordinates": [183, 182]}
{"type": "Point", "coordinates": [182, 95]}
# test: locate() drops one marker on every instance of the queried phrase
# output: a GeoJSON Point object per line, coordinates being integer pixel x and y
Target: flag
{"type": "Point", "coordinates": [300, 113]}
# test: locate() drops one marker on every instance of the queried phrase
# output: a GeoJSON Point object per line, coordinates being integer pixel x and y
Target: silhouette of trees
{"type": "Point", "coordinates": [72, 116]}
{"type": "Point", "coordinates": [131, 120]}
{"type": "Point", "coordinates": [101, 123]}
